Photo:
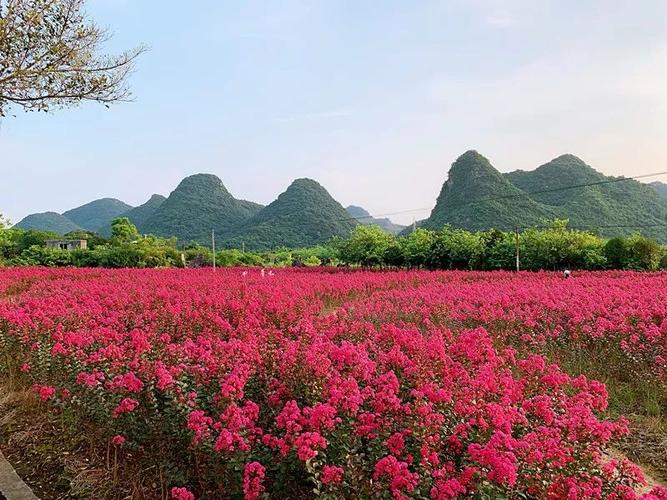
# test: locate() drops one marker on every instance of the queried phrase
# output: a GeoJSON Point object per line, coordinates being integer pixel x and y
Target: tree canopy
{"type": "Point", "coordinates": [50, 57]}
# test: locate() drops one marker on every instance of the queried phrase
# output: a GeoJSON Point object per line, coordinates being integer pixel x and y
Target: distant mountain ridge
{"type": "Point", "coordinates": [98, 214]}
{"type": "Point", "coordinates": [362, 216]}
{"type": "Point", "coordinates": [476, 196]}
{"type": "Point", "coordinates": [48, 221]}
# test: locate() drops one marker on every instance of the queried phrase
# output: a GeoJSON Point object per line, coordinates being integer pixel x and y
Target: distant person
{"type": "Point", "coordinates": [567, 273]}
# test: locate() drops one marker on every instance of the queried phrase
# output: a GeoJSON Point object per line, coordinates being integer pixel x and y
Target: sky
{"type": "Point", "coordinates": [374, 100]}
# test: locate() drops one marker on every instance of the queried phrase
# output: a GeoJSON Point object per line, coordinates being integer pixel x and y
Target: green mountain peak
{"type": "Point", "coordinates": [304, 214]}
{"type": "Point", "coordinates": [199, 204]}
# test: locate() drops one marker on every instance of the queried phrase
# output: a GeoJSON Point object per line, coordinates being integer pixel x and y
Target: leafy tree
{"type": "Point", "coordinates": [394, 256]}
{"type": "Point", "coordinates": [456, 249]}
{"type": "Point", "coordinates": [123, 231]}
{"type": "Point", "coordinates": [642, 253]}
{"type": "Point", "coordinates": [366, 246]}
{"type": "Point", "coordinates": [41, 256]}
{"type": "Point", "coordinates": [5, 239]}
{"type": "Point", "coordinates": [25, 239]}
{"type": "Point", "coordinates": [312, 261]}
{"type": "Point", "coordinates": [198, 256]}
{"type": "Point", "coordinates": [558, 248]}
{"type": "Point", "coordinates": [49, 57]}
{"type": "Point", "coordinates": [615, 251]}
{"type": "Point", "coordinates": [417, 247]}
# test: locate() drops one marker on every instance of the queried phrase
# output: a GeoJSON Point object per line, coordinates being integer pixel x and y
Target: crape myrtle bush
{"type": "Point", "coordinates": [341, 384]}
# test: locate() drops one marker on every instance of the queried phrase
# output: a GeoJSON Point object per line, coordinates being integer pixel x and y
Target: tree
{"type": "Point", "coordinates": [49, 57]}
{"type": "Point", "coordinates": [615, 251]}
{"type": "Point", "coordinates": [123, 231]}
{"type": "Point", "coordinates": [417, 247]}
{"type": "Point", "coordinates": [643, 253]}
{"type": "Point", "coordinates": [366, 246]}
{"type": "Point", "coordinates": [3, 222]}
{"type": "Point", "coordinates": [456, 249]}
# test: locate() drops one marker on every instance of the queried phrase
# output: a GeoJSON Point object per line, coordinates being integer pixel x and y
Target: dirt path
{"type": "Point", "coordinates": [651, 481]}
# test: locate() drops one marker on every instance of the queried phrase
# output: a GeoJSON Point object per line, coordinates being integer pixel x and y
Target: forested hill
{"type": "Point", "coordinates": [476, 196]}
{"type": "Point", "coordinates": [98, 214]}
{"type": "Point", "coordinates": [141, 214]}
{"type": "Point", "coordinates": [304, 215]}
{"type": "Point", "coordinates": [660, 188]}
{"type": "Point", "coordinates": [48, 221]}
{"type": "Point", "coordinates": [199, 204]}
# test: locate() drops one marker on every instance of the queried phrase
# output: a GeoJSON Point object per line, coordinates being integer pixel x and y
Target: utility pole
{"type": "Point", "coordinates": [213, 242]}
{"type": "Point", "coordinates": [518, 266]}
{"type": "Point", "coordinates": [414, 224]}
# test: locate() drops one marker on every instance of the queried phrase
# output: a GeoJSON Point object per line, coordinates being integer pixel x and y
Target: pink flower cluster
{"type": "Point", "coordinates": [360, 383]}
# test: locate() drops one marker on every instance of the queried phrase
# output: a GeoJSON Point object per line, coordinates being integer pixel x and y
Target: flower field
{"type": "Point", "coordinates": [345, 384]}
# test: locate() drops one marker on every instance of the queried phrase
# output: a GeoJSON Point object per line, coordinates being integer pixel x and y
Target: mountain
{"type": "Point", "coordinates": [476, 196]}
{"type": "Point", "coordinates": [304, 215]}
{"type": "Point", "coordinates": [139, 215]}
{"type": "Point", "coordinates": [363, 217]}
{"type": "Point", "coordinates": [660, 188]}
{"type": "Point", "coordinates": [48, 221]}
{"type": "Point", "coordinates": [98, 214]}
{"type": "Point", "coordinates": [623, 205]}
{"type": "Point", "coordinates": [199, 204]}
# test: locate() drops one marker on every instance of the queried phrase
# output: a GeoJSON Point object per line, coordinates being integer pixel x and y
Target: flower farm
{"type": "Point", "coordinates": [348, 384]}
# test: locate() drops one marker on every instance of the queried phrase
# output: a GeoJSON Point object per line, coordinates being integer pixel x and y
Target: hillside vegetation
{"type": "Point", "coordinates": [661, 189]}
{"type": "Point", "coordinates": [478, 197]}
{"type": "Point", "coordinates": [98, 214]}
{"type": "Point", "coordinates": [48, 221]}
{"type": "Point", "coordinates": [475, 196]}
{"type": "Point", "coordinates": [199, 204]}
{"type": "Point", "coordinates": [304, 215]}
{"type": "Point", "coordinates": [140, 215]}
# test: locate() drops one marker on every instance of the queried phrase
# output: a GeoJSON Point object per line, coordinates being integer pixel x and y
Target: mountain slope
{"type": "Point", "coordinates": [661, 189]}
{"type": "Point", "coordinates": [476, 196]}
{"type": "Point", "coordinates": [610, 201]}
{"type": "Point", "coordinates": [48, 221]}
{"type": "Point", "coordinates": [305, 214]}
{"type": "Point", "coordinates": [98, 214]}
{"type": "Point", "coordinates": [139, 215]}
{"type": "Point", "coordinates": [199, 204]}
{"type": "Point", "coordinates": [363, 217]}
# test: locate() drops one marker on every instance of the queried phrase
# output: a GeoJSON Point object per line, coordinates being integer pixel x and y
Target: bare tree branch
{"type": "Point", "coordinates": [49, 57]}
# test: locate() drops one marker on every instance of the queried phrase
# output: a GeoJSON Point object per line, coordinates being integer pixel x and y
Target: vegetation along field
{"type": "Point", "coordinates": [304, 383]}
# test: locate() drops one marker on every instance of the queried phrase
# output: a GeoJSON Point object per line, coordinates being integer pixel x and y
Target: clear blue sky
{"type": "Point", "coordinates": [374, 99]}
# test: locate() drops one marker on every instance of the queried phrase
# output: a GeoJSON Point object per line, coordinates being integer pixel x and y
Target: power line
{"type": "Point", "coordinates": [516, 195]}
